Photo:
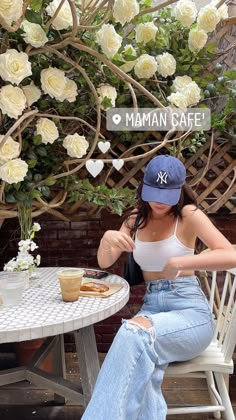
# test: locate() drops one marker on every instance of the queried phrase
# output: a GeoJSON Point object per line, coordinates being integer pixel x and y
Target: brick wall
{"type": "Point", "coordinates": [75, 244]}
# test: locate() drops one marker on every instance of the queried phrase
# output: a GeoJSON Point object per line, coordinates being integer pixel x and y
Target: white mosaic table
{"type": "Point", "coordinates": [42, 313]}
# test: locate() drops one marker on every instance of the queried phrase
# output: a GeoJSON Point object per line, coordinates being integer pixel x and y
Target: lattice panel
{"type": "Point", "coordinates": [225, 38]}
{"type": "Point", "coordinates": [211, 170]}
{"type": "Point", "coordinates": [213, 179]}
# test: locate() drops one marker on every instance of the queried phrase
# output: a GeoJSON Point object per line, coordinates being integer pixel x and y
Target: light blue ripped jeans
{"type": "Point", "coordinates": [129, 383]}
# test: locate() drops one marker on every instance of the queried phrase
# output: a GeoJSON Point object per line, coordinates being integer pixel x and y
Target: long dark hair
{"type": "Point", "coordinates": [143, 210]}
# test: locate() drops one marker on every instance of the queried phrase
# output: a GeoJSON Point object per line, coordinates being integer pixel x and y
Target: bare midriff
{"type": "Point", "coordinates": [159, 275]}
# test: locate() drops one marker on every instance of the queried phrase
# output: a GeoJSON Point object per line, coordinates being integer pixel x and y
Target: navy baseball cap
{"type": "Point", "coordinates": [163, 180]}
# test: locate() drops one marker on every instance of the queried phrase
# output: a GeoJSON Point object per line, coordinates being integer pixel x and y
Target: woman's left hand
{"type": "Point", "coordinates": [171, 271]}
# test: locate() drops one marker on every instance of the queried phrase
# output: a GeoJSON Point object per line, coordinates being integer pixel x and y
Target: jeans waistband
{"type": "Point", "coordinates": [165, 284]}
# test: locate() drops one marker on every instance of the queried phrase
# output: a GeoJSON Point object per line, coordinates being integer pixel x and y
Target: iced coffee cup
{"type": "Point", "coordinates": [70, 281]}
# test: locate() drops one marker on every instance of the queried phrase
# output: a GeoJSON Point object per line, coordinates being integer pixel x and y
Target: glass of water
{"type": "Point", "coordinates": [12, 287]}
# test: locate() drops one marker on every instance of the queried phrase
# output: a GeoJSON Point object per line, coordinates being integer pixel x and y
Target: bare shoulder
{"type": "Point", "coordinates": [196, 221]}
{"type": "Point", "coordinates": [190, 211]}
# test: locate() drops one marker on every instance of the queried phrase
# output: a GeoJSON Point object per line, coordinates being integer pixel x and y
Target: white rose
{"type": "Point", "coordinates": [208, 18]}
{"type": "Point", "coordinates": [13, 171]}
{"type": "Point", "coordinates": [10, 149]}
{"type": "Point", "coordinates": [178, 99]}
{"type": "Point", "coordinates": [145, 32]}
{"type": "Point", "coordinates": [109, 40]}
{"type": "Point", "coordinates": [75, 145]}
{"type": "Point", "coordinates": [192, 93]}
{"type": "Point", "coordinates": [34, 34]}
{"type": "Point", "coordinates": [128, 65]}
{"type": "Point", "coordinates": [53, 82]}
{"type": "Point", "coordinates": [181, 82]}
{"type": "Point", "coordinates": [185, 12]}
{"type": "Point", "coordinates": [70, 91]}
{"type": "Point", "coordinates": [47, 129]}
{"type": "Point", "coordinates": [107, 91]}
{"type": "Point", "coordinates": [14, 66]}
{"type": "Point", "coordinates": [145, 66]}
{"type": "Point", "coordinates": [32, 93]}
{"type": "Point", "coordinates": [197, 39]}
{"type": "Point", "coordinates": [224, 11]}
{"type": "Point", "coordinates": [125, 11]}
{"type": "Point", "coordinates": [11, 10]}
{"type": "Point", "coordinates": [64, 19]}
{"type": "Point", "coordinates": [166, 64]}
{"type": "Point", "coordinates": [12, 101]}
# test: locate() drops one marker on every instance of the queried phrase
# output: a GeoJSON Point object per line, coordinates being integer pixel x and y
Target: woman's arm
{"type": "Point", "coordinates": [221, 254]}
{"type": "Point", "coordinates": [112, 244]}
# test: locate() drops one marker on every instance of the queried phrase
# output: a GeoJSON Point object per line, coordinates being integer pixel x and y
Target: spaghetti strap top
{"type": "Point", "coordinates": [152, 256]}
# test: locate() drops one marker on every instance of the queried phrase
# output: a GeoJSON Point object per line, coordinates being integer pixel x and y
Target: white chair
{"type": "Point", "coordinates": [216, 362]}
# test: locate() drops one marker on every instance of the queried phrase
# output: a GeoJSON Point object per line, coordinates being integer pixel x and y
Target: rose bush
{"type": "Point", "coordinates": [63, 63]}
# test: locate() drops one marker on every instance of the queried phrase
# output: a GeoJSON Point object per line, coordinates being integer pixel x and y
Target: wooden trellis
{"type": "Point", "coordinates": [211, 171]}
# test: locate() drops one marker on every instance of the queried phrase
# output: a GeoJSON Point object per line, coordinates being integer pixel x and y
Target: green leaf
{"type": "Point", "coordinates": [32, 163]}
{"type": "Point", "coordinates": [231, 74]}
{"type": "Point", "coordinates": [10, 198]}
{"type": "Point", "coordinates": [196, 68]}
{"type": "Point", "coordinates": [33, 17]}
{"type": "Point", "coordinates": [27, 202]}
{"type": "Point", "coordinates": [185, 67]}
{"type": "Point", "coordinates": [37, 139]}
{"type": "Point", "coordinates": [38, 177]}
{"type": "Point", "coordinates": [45, 191]}
{"type": "Point", "coordinates": [36, 5]}
{"type": "Point", "coordinates": [106, 103]}
{"type": "Point", "coordinates": [49, 181]}
{"type": "Point", "coordinates": [17, 186]}
{"type": "Point", "coordinates": [29, 186]}
{"type": "Point", "coordinates": [35, 194]}
{"type": "Point", "coordinates": [31, 155]}
{"type": "Point", "coordinates": [42, 152]}
{"type": "Point", "coordinates": [20, 196]}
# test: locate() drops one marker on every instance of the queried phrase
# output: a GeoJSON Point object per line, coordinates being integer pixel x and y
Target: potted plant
{"type": "Point", "coordinates": [25, 261]}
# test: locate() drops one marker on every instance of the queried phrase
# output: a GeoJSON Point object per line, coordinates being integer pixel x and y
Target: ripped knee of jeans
{"type": "Point", "coordinates": [141, 323]}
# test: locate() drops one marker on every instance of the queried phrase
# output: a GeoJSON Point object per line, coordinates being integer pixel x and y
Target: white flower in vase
{"type": "Point", "coordinates": [25, 261]}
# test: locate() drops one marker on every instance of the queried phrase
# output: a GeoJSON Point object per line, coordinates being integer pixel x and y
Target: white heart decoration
{"type": "Point", "coordinates": [104, 146]}
{"type": "Point", "coordinates": [94, 167]}
{"type": "Point", "coordinates": [118, 163]}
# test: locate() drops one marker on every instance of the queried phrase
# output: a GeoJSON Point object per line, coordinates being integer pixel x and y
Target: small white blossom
{"type": "Point", "coordinates": [33, 246]}
{"type": "Point", "coordinates": [24, 260]}
{"type": "Point", "coordinates": [36, 227]}
{"type": "Point", "coordinates": [38, 259]}
{"type": "Point", "coordinates": [24, 246]}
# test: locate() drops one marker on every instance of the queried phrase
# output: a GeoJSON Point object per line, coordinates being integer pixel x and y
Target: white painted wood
{"type": "Point", "coordinates": [88, 359]}
{"type": "Point", "coordinates": [216, 362]}
{"type": "Point", "coordinates": [42, 313]}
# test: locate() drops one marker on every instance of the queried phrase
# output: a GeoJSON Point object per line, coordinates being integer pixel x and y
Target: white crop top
{"type": "Point", "coordinates": [152, 256]}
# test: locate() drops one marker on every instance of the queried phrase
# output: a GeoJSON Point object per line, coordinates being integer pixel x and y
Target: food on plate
{"type": "Point", "coordinates": [94, 287]}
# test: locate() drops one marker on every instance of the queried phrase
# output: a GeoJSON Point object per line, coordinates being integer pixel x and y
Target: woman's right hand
{"type": "Point", "coordinates": [118, 239]}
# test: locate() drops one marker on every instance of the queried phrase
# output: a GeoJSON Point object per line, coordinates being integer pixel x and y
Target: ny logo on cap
{"type": "Point", "coordinates": [162, 177]}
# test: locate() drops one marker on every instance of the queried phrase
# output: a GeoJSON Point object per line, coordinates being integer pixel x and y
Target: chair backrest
{"type": "Point", "coordinates": [220, 287]}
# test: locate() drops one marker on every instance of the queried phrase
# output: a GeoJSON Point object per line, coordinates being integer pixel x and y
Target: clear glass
{"type": "Point", "coordinates": [12, 287]}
